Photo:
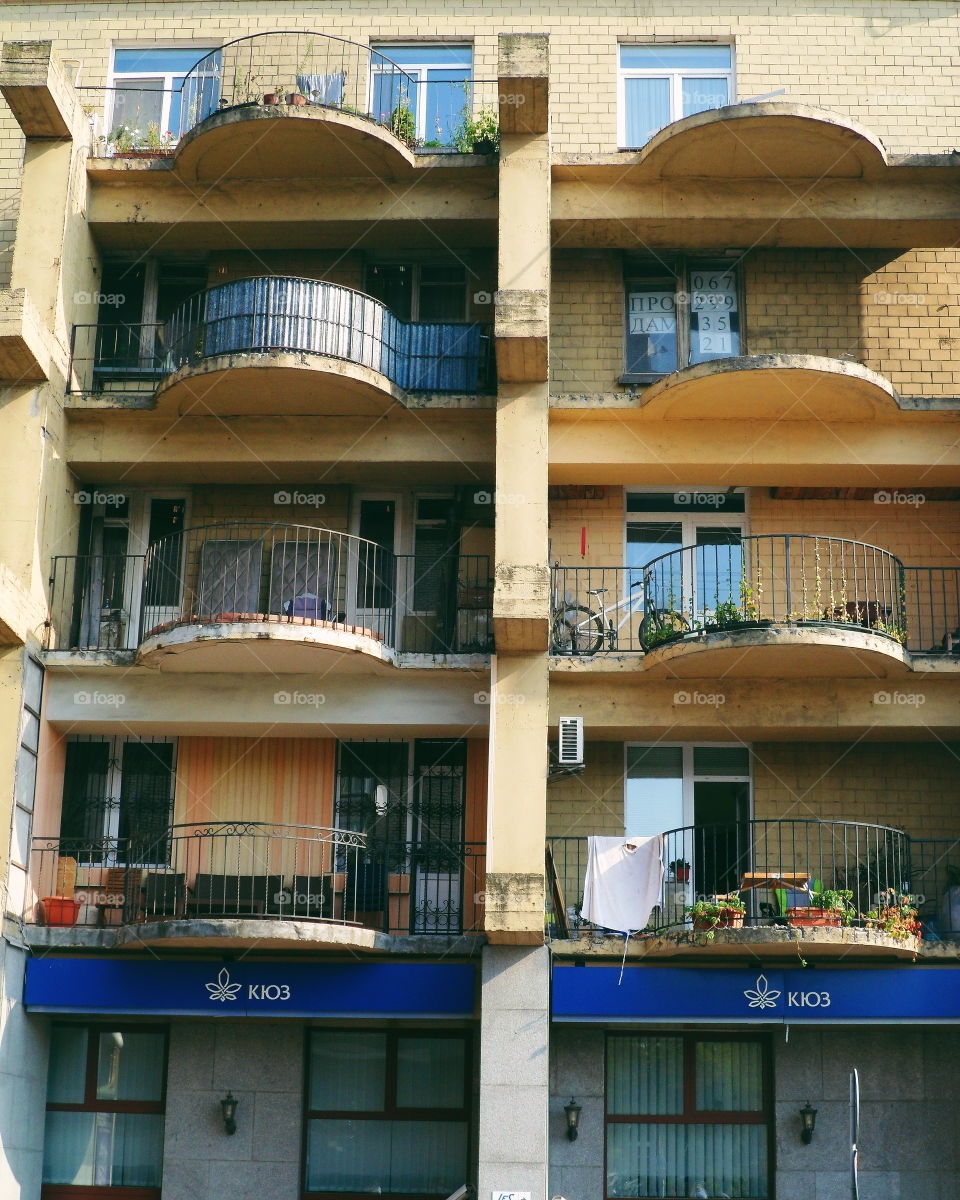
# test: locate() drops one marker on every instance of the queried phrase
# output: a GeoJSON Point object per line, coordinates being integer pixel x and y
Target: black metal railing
{"type": "Point", "coordinates": [282, 314]}
{"type": "Point", "coordinates": [733, 583]}
{"type": "Point", "coordinates": [307, 67]}
{"type": "Point", "coordinates": [257, 870]}
{"type": "Point", "coordinates": [935, 884]}
{"type": "Point", "coordinates": [932, 604]}
{"type": "Point", "coordinates": [290, 574]}
{"type": "Point", "coordinates": [707, 861]}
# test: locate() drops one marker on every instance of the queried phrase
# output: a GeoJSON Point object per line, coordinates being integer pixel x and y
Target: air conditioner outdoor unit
{"type": "Point", "coordinates": [570, 752]}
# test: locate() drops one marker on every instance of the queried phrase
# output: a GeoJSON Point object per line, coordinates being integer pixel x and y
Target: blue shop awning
{"type": "Point", "coordinates": [793, 995]}
{"type": "Point", "coordinates": [249, 989]}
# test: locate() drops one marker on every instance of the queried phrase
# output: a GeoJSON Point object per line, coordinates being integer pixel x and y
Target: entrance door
{"type": "Point", "coordinates": [371, 597]}
{"type": "Point", "coordinates": [440, 768]}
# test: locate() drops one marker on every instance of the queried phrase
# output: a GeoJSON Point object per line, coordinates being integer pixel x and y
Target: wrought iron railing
{"type": "Point", "coordinates": [282, 314]}
{"type": "Point", "coordinates": [932, 606]}
{"type": "Point", "coordinates": [744, 857]}
{"type": "Point", "coordinates": [733, 583]}
{"type": "Point", "coordinates": [311, 68]}
{"type": "Point", "coordinates": [288, 574]}
{"type": "Point", "coordinates": [935, 882]}
{"type": "Point", "coordinates": [261, 871]}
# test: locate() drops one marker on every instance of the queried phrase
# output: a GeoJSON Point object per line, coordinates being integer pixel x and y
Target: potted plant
{"type": "Point", "coordinates": [479, 134]}
{"type": "Point", "coordinates": [296, 98]}
{"type": "Point", "coordinates": [896, 916]}
{"type": "Point", "coordinates": [722, 912]}
{"type": "Point", "coordinates": [681, 870]}
{"type": "Point", "coordinates": [275, 96]}
{"type": "Point", "coordinates": [828, 907]}
{"type": "Point", "coordinates": [403, 125]}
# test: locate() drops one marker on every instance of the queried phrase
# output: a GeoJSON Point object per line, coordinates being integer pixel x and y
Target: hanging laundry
{"type": "Point", "coordinates": [624, 881]}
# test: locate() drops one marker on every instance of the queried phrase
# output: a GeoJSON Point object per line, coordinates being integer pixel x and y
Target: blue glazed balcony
{"type": "Point", "coordinates": [279, 344]}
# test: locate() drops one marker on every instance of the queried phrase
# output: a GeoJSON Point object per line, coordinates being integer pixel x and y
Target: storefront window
{"type": "Point", "coordinates": [386, 1113]}
{"type": "Point", "coordinates": [105, 1106]}
{"type": "Point", "coordinates": [687, 1115]}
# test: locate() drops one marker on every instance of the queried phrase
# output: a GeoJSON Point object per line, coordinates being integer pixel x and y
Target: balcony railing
{"type": "Point", "coordinates": [753, 582]}
{"type": "Point", "coordinates": [260, 871]}
{"type": "Point", "coordinates": [294, 575]}
{"type": "Point", "coordinates": [282, 315]}
{"type": "Point", "coordinates": [706, 861]}
{"type": "Point", "coordinates": [324, 70]}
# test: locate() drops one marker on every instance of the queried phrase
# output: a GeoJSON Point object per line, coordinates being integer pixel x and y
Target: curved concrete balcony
{"type": "Point", "coordinates": [238, 883]}
{"type": "Point", "coordinates": [770, 605]}
{"type": "Point", "coordinates": [765, 140]}
{"type": "Point", "coordinates": [279, 345]}
{"type": "Point", "coordinates": [295, 104]}
{"type": "Point", "coordinates": [277, 597]}
{"type": "Point", "coordinates": [798, 387]}
{"type": "Point", "coordinates": [761, 881]}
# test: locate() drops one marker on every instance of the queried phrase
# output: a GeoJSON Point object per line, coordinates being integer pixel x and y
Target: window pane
{"type": "Point", "coordinates": [721, 760]}
{"type": "Point", "coordinates": [68, 1064]}
{"type": "Point", "coordinates": [68, 1148]}
{"type": "Point", "coordinates": [153, 60]}
{"type": "Point", "coordinates": [430, 1072]}
{"type": "Point", "coordinates": [146, 792]}
{"type": "Point", "coordinates": [677, 58]}
{"type": "Point", "coordinates": [720, 575]}
{"type": "Point", "coordinates": [137, 103]}
{"type": "Point", "coordinates": [32, 684]}
{"type": "Point", "coordinates": [26, 778]}
{"type": "Point", "coordinates": [105, 1149]}
{"type": "Point", "coordinates": [427, 55]}
{"type": "Point", "coordinates": [386, 1156]}
{"type": "Point", "coordinates": [644, 1076]}
{"type": "Point", "coordinates": [701, 94]}
{"type": "Point", "coordinates": [647, 109]}
{"type": "Point", "coordinates": [729, 1076]}
{"type": "Point", "coordinates": [347, 1071]}
{"type": "Point", "coordinates": [130, 1066]}
{"type": "Point", "coordinates": [20, 840]}
{"type": "Point", "coordinates": [390, 91]}
{"type": "Point", "coordinates": [714, 315]}
{"type": "Point", "coordinates": [676, 1160]}
{"type": "Point", "coordinates": [651, 329]}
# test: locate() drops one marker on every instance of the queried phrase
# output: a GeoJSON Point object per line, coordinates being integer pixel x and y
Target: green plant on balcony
{"type": "Point", "coordinates": [130, 140]}
{"type": "Point", "coordinates": [727, 614]}
{"type": "Point", "coordinates": [895, 915]}
{"type": "Point", "coordinates": [722, 912]}
{"type": "Point", "coordinates": [836, 901]}
{"type": "Point", "coordinates": [403, 124]}
{"type": "Point", "coordinates": [479, 134]}
{"type": "Point", "coordinates": [246, 87]}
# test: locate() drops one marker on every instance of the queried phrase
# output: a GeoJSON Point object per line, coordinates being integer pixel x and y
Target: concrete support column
{"type": "Point", "coordinates": [514, 1071]}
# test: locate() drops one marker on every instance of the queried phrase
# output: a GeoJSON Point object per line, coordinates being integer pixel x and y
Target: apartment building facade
{"type": "Point", "coordinates": [434, 440]}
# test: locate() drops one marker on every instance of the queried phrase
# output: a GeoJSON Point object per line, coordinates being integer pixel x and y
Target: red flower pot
{"type": "Point", "coordinates": [57, 910]}
{"type": "Point", "coordinates": [801, 918]}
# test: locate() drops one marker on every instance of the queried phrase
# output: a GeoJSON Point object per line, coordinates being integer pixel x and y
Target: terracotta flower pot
{"type": "Point", "coordinates": [682, 874]}
{"type": "Point", "coordinates": [58, 910]}
{"type": "Point", "coordinates": [727, 918]}
{"type": "Point", "coordinates": [801, 918]}
{"type": "Point", "coordinates": [271, 97]}
{"type": "Point", "coordinates": [296, 99]}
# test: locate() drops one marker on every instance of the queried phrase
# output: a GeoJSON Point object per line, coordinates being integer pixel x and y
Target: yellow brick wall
{"type": "Point", "coordinates": [895, 313]}
{"type": "Point", "coordinates": [895, 70]}
{"type": "Point", "coordinates": [922, 534]}
{"type": "Point", "coordinates": [586, 322]}
{"type": "Point", "coordinates": [215, 504]}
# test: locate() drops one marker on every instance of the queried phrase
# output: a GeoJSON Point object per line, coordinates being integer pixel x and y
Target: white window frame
{"type": "Point", "coordinates": [115, 78]}
{"type": "Point", "coordinates": [675, 77]}
{"type": "Point", "coordinates": [417, 71]}
{"type": "Point", "coordinates": [689, 778]}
